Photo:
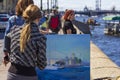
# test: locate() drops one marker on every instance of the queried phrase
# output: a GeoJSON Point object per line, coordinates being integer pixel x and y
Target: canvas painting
{"type": "Point", "coordinates": [68, 58]}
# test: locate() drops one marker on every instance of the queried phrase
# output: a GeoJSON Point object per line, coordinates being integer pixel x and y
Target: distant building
{"type": "Point", "coordinates": [1, 5]}
{"type": "Point", "coordinates": [98, 5]}
{"type": "Point", "coordinates": [8, 6]}
{"type": "Point", "coordinates": [113, 8]}
{"type": "Point", "coordinates": [86, 8]}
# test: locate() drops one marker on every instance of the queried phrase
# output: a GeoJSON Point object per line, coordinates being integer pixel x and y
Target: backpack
{"type": "Point", "coordinates": [54, 24]}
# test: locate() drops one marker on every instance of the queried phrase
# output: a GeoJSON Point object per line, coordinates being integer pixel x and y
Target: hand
{"type": "Point", "coordinates": [6, 60]}
{"type": "Point", "coordinates": [6, 53]}
{"type": "Point", "coordinates": [44, 32]}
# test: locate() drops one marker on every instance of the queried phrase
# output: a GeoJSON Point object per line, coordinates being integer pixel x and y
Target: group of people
{"type": "Point", "coordinates": [54, 22]}
{"type": "Point", "coordinates": [25, 43]}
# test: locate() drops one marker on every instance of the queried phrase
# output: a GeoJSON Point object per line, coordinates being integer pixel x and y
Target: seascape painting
{"type": "Point", "coordinates": [68, 58]}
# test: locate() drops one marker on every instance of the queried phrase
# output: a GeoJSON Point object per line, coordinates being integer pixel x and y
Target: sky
{"type": "Point", "coordinates": [80, 4]}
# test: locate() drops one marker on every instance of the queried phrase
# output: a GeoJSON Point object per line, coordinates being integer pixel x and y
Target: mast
{"type": "Point", "coordinates": [41, 4]}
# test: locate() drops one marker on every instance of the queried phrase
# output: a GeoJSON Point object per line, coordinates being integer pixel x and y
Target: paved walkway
{"type": "Point", "coordinates": [102, 66]}
{"type": "Point", "coordinates": [3, 71]}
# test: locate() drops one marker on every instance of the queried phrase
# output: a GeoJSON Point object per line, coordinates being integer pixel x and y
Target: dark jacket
{"type": "Point", "coordinates": [34, 54]}
{"type": "Point", "coordinates": [68, 25]}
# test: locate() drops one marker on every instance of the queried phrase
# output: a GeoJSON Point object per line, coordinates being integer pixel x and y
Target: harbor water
{"type": "Point", "coordinates": [110, 45]}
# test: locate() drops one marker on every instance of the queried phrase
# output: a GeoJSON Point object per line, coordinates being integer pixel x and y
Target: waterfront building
{"type": "Point", "coordinates": [8, 6]}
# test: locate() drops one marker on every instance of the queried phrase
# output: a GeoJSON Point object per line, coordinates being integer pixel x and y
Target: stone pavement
{"type": "Point", "coordinates": [102, 67]}
{"type": "Point", "coordinates": [3, 71]}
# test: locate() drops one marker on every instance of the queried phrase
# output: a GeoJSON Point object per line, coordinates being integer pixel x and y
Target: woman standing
{"type": "Point", "coordinates": [15, 20]}
{"type": "Point", "coordinates": [68, 27]}
{"type": "Point", "coordinates": [28, 47]}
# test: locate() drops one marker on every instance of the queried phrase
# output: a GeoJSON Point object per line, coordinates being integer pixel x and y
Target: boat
{"type": "Point", "coordinates": [92, 22]}
{"type": "Point", "coordinates": [112, 28]}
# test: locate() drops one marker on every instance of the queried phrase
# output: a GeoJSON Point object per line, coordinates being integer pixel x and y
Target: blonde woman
{"type": "Point", "coordinates": [16, 19]}
{"type": "Point", "coordinates": [28, 47]}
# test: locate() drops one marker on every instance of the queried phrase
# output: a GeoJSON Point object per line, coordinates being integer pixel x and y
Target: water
{"type": "Point", "coordinates": [110, 45]}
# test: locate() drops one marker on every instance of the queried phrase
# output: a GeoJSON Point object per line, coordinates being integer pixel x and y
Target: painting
{"type": "Point", "coordinates": [68, 58]}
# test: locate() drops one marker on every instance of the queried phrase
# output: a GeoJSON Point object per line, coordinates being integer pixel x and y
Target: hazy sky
{"type": "Point", "coordinates": [80, 4]}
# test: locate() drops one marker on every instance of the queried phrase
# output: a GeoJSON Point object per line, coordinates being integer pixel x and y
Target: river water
{"type": "Point", "coordinates": [110, 45]}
